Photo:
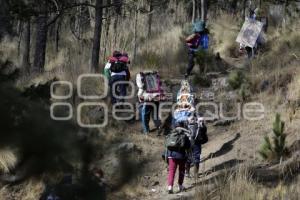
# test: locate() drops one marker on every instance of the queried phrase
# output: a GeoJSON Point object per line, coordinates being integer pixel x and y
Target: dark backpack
{"type": "Point", "coordinates": [177, 139]}
{"type": "Point", "coordinates": [118, 67]}
{"type": "Point", "coordinates": [201, 135]}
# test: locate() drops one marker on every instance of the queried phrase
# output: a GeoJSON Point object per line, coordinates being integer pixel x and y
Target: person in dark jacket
{"type": "Point", "coordinates": [116, 70]}
{"type": "Point", "coordinates": [177, 158]}
{"type": "Point", "coordinates": [198, 130]}
{"type": "Point", "coordinates": [197, 41]}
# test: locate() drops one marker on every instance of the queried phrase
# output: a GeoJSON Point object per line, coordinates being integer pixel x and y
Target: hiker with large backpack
{"type": "Point", "coordinates": [198, 138]}
{"type": "Point", "coordinates": [150, 93]}
{"type": "Point", "coordinates": [177, 144]}
{"type": "Point", "coordinates": [196, 42]}
{"type": "Point", "coordinates": [116, 70]}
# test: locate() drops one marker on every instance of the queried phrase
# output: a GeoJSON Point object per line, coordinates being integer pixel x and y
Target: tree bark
{"type": "Point", "coordinates": [97, 37]}
{"type": "Point", "coordinates": [40, 42]}
{"type": "Point", "coordinates": [92, 15]}
{"type": "Point", "coordinates": [136, 12]}
{"type": "Point", "coordinates": [244, 9]}
{"type": "Point", "coordinates": [107, 29]}
{"type": "Point", "coordinates": [57, 37]}
{"type": "Point", "coordinates": [203, 10]}
{"type": "Point", "coordinates": [25, 50]}
{"type": "Point", "coordinates": [150, 17]}
{"type": "Point", "coordinates": [194, 11]}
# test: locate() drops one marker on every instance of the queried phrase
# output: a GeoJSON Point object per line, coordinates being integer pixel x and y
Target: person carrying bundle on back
{"type": "Point", "coordinates": [150, 93]}
{"type": "Point", "coordinates": [177, 145]}
{"type": "Point", "coordinates": [116, 70]}
{"type": "Point", "coordinates": [198, 137]}
{"type": "Point", "coordinates": [185, 112]}
{"type": "Point", "coordinates": [199, 40]}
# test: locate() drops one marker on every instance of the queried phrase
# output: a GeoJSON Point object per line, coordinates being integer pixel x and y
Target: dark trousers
{"type": "Point", "coordinates": [191, 64]}
{"type": "Point", "coordinates": [120, 89]}
{"type": "Point", "coordinates": [194, 158]}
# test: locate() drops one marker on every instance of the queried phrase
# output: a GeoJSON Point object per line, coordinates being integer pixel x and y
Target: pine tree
{"type": "Point", "coordinates": [276, 149]}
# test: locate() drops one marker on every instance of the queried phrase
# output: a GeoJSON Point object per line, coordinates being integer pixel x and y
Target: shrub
{"type": "Point", "coordinates": [236, 79]}
{"type": "Point", "coordinates": [244, 92]}
{"type": "Point", "coordinates": [275, 149]}
{"type": "Point", "coordinates": [201, 80]}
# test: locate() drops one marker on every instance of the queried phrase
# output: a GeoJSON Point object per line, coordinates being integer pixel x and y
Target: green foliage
{"type": "Point", "coordinates": [236, 79]}
{"type": "Point", "coordinates": [205, 58]}
{"type": "Point", "coordinates": [201, 80]}
{"type": "Point", "coordinates": [244, 92]}
{"type": "Point", "coordinates": [276, 150]}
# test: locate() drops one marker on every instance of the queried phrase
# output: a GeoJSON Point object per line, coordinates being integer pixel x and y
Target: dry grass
{"type": "Point", "coordinates": [224, 31]}
{"type": "Point", "coordinates": [9, 50]}
{"type": "Point", "coordinates": [240, 185]}
{"type": "Point", "coordinates": [29, 190]}
{"type": "Point", "coordinates": [294, 89]}
{"type": "Point", "coordinates": [8, 160]}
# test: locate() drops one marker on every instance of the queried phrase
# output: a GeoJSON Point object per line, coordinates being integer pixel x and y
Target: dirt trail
{"type": "Point", "coordinates": [219, 154]}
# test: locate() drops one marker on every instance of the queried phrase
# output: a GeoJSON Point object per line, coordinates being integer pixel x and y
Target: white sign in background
{"type": "Point", "coordinates": [249, 32]}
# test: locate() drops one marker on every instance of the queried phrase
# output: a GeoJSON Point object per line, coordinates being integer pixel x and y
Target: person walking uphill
{"type": "Point", "coordinates": [177, 143]}
{"type": "Point", "coordinates": [115, 70]}
{"type": "Point", "coordinates": [198, 137]}
{"type": "Point", "coordinates": [199, 40]}
{"type": "Point", "coordinates": [150, 94]}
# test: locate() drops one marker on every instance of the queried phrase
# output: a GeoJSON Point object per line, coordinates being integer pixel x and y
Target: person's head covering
{"type": "Point", "coordinates": [198, 26]}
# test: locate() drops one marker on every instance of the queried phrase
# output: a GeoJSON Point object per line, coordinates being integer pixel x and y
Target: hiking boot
{"type": "Point", "coordinates": [170, 190]}
{"type": "Point", "coordinates": [181, 188]}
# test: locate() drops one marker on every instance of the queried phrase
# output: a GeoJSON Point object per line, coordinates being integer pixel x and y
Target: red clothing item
{"type": "Point", "coordinates": [193, 41]}
{"type": "Point", "coordinates": [173, 163]}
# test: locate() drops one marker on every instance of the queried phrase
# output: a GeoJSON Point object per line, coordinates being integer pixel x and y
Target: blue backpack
{"type": "Point", "coordinates": [204, 41]}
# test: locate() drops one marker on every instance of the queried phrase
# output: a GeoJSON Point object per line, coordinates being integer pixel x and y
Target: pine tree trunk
{"type": "Point", "coordinates": [25, 49]}
{"type": "Point", "coordinates": [194, 11]}
{"type": "Point", "coordinates": [40, 43]}
{"type": "Point", "coordinates": [108, 18]}
{"type": "Point", "coordinates": [20, 33]}
{"type": "Point", "coordinates": [244, 9]}
{"type": "Point", "coordinates": [97, 37]}
{"type": "Point", "coordinates": [198, 9]}
{"type": "Point", "coordinates": [92, 15]}
{"type": "Point", "coordinates": [57, 37]}
{"type": "Point", "coordinates": [150, 16]}
{"type": "Point", "coordinates": [115, 31]}
{"type": "Point", "coordinates": [135, 32]}
{"type": "Point", "coordinates": [203, 10]}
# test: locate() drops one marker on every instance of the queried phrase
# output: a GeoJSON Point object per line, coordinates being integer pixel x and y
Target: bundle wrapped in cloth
{"type": "Point", "coordinates": [185, 106]}
{"type": "Point", "coordinates": [150, 86]}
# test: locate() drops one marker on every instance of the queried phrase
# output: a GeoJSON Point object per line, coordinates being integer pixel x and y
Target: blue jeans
{"type": "Point", "coordinates": [120, 89]}
{"type": "Point", "coordinates": [146, 111]}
